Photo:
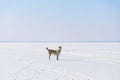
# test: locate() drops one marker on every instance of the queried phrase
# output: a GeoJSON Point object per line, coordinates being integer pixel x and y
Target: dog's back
{"type": "Point", "coordinates": [50, 51]}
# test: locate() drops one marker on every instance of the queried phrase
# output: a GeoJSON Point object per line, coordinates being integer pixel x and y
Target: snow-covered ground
{"type": "Point", "coordinates": [78, 61]}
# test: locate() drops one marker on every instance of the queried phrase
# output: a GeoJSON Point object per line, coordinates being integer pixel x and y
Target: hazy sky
{"type": "Point", "coordinates": [59, 20]}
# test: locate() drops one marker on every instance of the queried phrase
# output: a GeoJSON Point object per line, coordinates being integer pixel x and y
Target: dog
{"type": "Point", "coordinates": [54, 52]}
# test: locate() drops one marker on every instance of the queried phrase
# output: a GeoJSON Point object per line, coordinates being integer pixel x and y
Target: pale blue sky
{"type": "Point", "coordinates": [59, 20]}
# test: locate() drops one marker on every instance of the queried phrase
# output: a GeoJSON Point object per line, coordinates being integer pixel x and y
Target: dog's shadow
{"type": "Point", "coordinates": [71, 60]}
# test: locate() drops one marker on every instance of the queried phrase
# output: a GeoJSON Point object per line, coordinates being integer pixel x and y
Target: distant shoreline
{"type": "Point", "coordinates": [63, 41]}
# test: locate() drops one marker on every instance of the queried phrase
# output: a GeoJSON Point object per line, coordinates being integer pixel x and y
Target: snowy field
{"type": "Point", "coordinates": [78, 61]}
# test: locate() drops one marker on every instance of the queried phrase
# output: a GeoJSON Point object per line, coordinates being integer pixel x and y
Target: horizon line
{"type": "Point", "coordinates": [59, 41]}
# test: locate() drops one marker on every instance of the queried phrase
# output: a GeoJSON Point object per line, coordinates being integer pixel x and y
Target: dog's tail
{"type": "Point", "coordinates": [47, 49]}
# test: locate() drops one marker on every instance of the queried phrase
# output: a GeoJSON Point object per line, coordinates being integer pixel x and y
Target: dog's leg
{"type": "Point", "coordinates": [57, 58]}
{"type": "Point", "coordinates": [49, 56]}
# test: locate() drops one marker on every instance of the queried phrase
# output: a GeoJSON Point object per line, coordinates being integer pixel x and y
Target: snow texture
{"type": "Point", "coordinates": [78, 61]}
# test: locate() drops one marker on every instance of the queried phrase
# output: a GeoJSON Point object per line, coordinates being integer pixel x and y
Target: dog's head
{"type": "Point", "coordinates": [60, 47]}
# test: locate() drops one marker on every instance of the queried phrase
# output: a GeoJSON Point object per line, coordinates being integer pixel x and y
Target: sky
{"type": "Point", "coordinates": [59, 20]}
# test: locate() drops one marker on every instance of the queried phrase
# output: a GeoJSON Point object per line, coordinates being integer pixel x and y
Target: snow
{"type": "Point", "coordinates": [78, 61]}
